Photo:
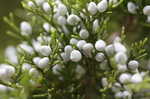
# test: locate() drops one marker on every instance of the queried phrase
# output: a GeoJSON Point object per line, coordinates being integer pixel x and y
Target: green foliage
{"type": "Point", "coordinates": [137, 49]}
{"type": "Point", "coordinates": [66, 85]}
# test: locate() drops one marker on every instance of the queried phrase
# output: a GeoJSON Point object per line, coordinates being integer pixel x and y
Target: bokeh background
{"type": "Point", "coordinates": [6, 6]}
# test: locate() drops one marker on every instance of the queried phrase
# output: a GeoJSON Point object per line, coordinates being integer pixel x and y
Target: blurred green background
{"type": "Point", "coordinates": [6, 6]}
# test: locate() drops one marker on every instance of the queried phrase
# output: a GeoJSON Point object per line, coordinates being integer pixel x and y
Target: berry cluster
{"type": "Point", "coordinates": [71, 44]}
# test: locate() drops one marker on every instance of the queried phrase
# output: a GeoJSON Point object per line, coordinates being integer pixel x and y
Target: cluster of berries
{"type": "Point", "coordinates": [77, 50]}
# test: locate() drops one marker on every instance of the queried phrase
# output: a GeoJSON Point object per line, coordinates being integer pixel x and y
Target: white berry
{"type": "Point", "coordinates": [124, 78]}
{"type": "Point", "coordinates": [45, 50]}
{"type": "Point", "coordinates": [61, 20]}
{"type": "Point", "coordinates": [133, 64]}
{"type": "Point", "coordinates": [26, 48]}
{"type": "Point", "coordinates": [62, 9]}
{"type": "Point", "coordinates": [96, 25]}
{"type": "Point", "coordinates": [100, 57]}
{"type": "Point", "coordinates": [36, 60]}
{"type": "Point", "coordinates": [75, 56]}
{"type": "Point", "coordinates": [122, 68]}
{"type": "Point", "coordinates": [136, 78]}
{"type": "Point", "coordinates": [73, 41]}
{"type": "Point", "coordinates": [73, 19]}
{"type": "Point", "coordinates": [110, 50]}
{"type": "Point", "coordinates": [87, 48]}
{"type": "Point", "coordinates": [4, 88]}
{"type": "Point", "coordinates": [118, 95]}
{"type": "Point", "coordinates": [92, 8]}
{"type": "Point", "coordinates": [100, 45]}
{"type": "Point", "coordinates": [46, 27]}
{"type": "Point", "coordinates": [34, 72]}
{"type": "Point", "coordinates": [26, 28]}
{"type": "Point", "coordinates": [121, 58]}
{"type": "Point", "coordinates": [104, 82]}
{"type": "Point", "coordinates": [132, 7]}
{"type": "Point", "coordinates": [11, 54]}
{"type": "Point", "coordinates": [102, 6]}
{"type": "Point", "coordinates": [68, 49]}
{"type": "Point", "coordinates": [126, 94]}
{"type": "Point", "coordinates": [30, 4]}
{"type": "Point", "coordinates": [6, 71]}
{"type": "Point", "coordinates": [65, 57]}
{"type": "Point", "coordinates": [84, 34]}
{"type": "Point", "coordinates": [43, 63]}
{"type": "Point", "coordinates": [81, 43]}
{"type": "Point", "coordinates": [146, 10]}
{"type": "Point", "coordinates": [119, 47]}
{"type": "Point", "coordinates": [46, 7]}
{"type": "Point", "coordinates": [56, 69]}
{"type": "Point", "coordinates": [26, 67]}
